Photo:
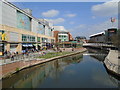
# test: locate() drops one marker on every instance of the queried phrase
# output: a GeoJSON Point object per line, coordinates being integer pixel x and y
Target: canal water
{"type": "Point", "coordinates": [79, 71]}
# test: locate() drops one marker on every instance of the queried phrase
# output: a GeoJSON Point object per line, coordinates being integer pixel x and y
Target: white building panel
{"type": "Point", "coordinates": [49, 40]}
{"type": "Point", "coordinates": [14, 36]}
{"type": "Point", "coordinates": [46, 31]}
{"type": "Point", "coordinates": [0, 12]}
{"type": "Point", "coordinates": [34, 26]}
{"type": "Point", "coordinates": [9, 16]}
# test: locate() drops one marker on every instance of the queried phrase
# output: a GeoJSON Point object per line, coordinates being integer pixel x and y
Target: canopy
{"type": "Point", "coordinates": [27, 45]}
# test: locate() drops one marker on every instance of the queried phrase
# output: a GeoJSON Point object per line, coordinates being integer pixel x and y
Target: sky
{"type": "Point", "coordinates": [79, 18]}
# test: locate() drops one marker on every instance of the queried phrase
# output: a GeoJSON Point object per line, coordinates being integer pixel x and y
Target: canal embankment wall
{"type": "Point", "coordinates": [112, 62]}
{"type": "Point", "coordinates": [12, 68]}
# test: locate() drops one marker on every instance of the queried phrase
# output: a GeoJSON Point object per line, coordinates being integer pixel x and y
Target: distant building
{"type": "Point", "coordinates": [61, 34]}
{"type": "Point", "coordinates": [80, 39]}
{"type": "Point", "coordinates": [55, 34]}
{"type": "Point", "coordinates": [103, 37]}
{"type": "Point", "coordinates": [109, 34]}
{"type": "Point", "coordinates": [97, 38]}
{"type": "Point", "coordinates": [70, 37]}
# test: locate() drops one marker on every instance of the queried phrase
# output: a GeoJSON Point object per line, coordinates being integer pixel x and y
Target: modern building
{"type": "Point", "coordinates": [61, 34]}
{"type": "Point", "coordinates": [97, 38]}
{"type": "Point", "coordinates": [104, 37]}
{"type": "Point", "coordinates": [110, 33]}
{"type": "Point", "coordinates": [19, 30]}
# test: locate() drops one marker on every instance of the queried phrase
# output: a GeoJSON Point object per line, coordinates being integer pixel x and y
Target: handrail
{"type": "Point", "coordinates": [97, 44]}
{"type": "Point", "coordinates": [22, 57]}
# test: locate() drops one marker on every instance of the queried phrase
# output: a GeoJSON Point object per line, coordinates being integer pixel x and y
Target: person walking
{"type": "Point", "coordinates": [12, 56]}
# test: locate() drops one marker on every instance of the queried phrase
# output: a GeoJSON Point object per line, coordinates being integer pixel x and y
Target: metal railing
{"type": "Point", "coordinates": [97, 44]}
{"type": "Point", "coordinates": [23, 57]}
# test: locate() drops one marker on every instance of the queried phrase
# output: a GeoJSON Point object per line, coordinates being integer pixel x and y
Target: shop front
{"type": "Point", "coordinates": [39, 46]}
{"type": "Point", "coordinates": [3, 39]}
{"type": "Point", "coordinates": [28, 46]}
{"type": "Point", "coordinates": [13, 47]}
{"type": "Point", "coordinates": [1, 49]}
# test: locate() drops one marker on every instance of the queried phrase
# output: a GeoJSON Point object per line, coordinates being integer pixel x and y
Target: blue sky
{"type": "Point", "coordinates": [80, 18]}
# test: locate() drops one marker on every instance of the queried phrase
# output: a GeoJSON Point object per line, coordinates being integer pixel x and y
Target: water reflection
{"type": "Point", "coordinates": [78, 71]}
{"type": "Point", "coordinates": [33, 77]}
{"type": "Point", "coordinates": [101, 57]}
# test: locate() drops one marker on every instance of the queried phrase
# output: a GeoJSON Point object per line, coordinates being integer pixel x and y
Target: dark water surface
{"type": "Point", "coordinates": [78, 71]}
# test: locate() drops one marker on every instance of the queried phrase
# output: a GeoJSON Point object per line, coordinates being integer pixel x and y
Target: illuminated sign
{"type": "Point", "coordinates": [1, 53]}
{"type": "Point", "coordinates": [3, 36]}
{"type": "Point", "coordinates": [112, 31]}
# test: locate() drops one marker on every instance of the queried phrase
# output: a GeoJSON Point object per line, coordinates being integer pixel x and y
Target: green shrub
{"type": "Point", "coordinates": [17, 69]}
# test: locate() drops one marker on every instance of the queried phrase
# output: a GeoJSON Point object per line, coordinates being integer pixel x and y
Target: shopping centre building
{"type": "Point", "coordinates": [19, 30]}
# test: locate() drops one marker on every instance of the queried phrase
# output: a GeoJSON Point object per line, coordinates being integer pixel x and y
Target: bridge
{"type": "Point", "coordinates": [99, 46]}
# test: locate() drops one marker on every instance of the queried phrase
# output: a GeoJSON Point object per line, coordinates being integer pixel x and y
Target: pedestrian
{"type": "Point", "coordinates": [72, 49]}
{"type": "Point", "coordinates": [5, 53]}
{"type": "Point", "coordinates": [12, 56]}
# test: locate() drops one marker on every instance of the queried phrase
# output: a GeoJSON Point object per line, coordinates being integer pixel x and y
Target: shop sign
{"type": "Point", "coordinates": [1, 53]}
{"type": "Point", "coordinates": [3, 36]}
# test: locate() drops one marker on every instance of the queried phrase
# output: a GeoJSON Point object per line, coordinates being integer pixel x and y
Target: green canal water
{"type": "Point", "coordinates": [78, 71]}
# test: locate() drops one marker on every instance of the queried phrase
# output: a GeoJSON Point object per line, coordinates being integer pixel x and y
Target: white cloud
{"type": "Point", "coordinates": [56, 21]}
{"type": "Point", "coordinates": [50, 13]}
{"type": "Point", "coordinates": [70, 15]}
{"type": "Point", "coordinates": [87, 30]}
{"type": "Point", "coordinates": [106, 9]}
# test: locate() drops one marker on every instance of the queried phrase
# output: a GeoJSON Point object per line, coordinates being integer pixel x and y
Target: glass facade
{"type": "Point", "coordinates": [50, 32]}
{"type": "Point", "coordinates": [28, 38]}
{"type": "Point", "coordinates": [44, 40]}
{"type": "Point", "coordinates": [38, 39]}
{"type": "Point", "coordinates": [41, 29]}
{"type": "Point", "coordinates": [23, 21]}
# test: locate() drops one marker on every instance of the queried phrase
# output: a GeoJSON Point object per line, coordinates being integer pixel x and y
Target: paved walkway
{"type": "Point", "coordinates": [12, 67]}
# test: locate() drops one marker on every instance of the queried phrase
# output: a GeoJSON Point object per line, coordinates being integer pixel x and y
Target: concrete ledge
{"type": "Point", "coordinates": [112, 62]}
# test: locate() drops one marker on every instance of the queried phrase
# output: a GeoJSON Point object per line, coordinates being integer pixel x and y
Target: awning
{"type": "Point", "coordinates": [30, 45]}
{"type": "Point", "coordinates": [1, 44]}
{"type": "Point", "coordinates": [27, 45]}
{"type": "Point", "coordinates": [24, 45]}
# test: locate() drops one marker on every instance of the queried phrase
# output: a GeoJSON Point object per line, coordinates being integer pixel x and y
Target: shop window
{"type": "Point", "coordinates": [38, 39]}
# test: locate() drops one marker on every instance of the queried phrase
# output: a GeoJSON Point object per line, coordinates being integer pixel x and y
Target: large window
{"type": "Point", "coordinates": [44, 40]}
{"type": "Point", "coordinates": [41, 29]}
{"type": "Point", "coordinates": [28, 38]}
{"type": "Point", "coordinates": [23, 21]}
{"type": "Point", "coordinates": [38, 39]}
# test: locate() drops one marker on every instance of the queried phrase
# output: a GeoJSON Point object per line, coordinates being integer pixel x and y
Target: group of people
{"type": "Point", "coordinates": [12, 55]}
{"type": "Point", "coordinates": [8, 54]}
